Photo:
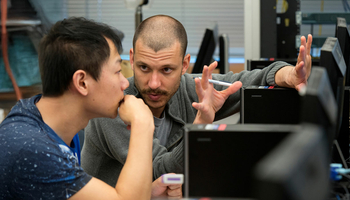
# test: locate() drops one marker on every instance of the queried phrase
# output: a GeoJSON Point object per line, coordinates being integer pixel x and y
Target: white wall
{"type": "Point", "coordinates": [251, 30]}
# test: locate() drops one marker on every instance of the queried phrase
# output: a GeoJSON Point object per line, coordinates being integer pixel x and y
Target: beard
{"type": "Point", "coordinates": [151, 91]}
{"type": "Point", "coordinates": [167, 94]}
{"type": "Point", "coordinates": [145, 92]}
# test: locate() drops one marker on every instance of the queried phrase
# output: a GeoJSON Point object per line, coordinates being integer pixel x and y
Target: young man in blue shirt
{"type": "Point", "coordinates": [81, 75]}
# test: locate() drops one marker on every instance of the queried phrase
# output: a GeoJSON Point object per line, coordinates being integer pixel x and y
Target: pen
{"type": "Point", "coordinates": [224, 83]}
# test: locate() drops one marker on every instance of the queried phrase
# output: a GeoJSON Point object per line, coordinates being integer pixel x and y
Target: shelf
{"type": "Point", "coordinates": [320, 18]}
{"type": "Point", "coordinates": [22, 21]}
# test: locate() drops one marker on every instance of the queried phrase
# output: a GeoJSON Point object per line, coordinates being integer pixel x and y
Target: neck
{"type": "Point", "coordinates": [63, 115]}
{"type": "Point", "coordinates": [157, 112]}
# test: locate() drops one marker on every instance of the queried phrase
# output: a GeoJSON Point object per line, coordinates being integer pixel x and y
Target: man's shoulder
{"type": "Point", "coordinates": [23, 115]}
{"type": "Point", "coordinates": [98, 126]}
{"type": "Point", "coordinates": [41, 154]}
{"type": "Point", "coordinates": [187, 85]}
{"type": "Point", "coordinates": [41, 161]}
{"type": "Point", "coordinates": [26, 146]}
{"type": "Point", "coordinates": [23, 127]}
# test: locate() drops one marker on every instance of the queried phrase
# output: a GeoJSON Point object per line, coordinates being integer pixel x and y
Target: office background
{"type": "Point", "coordinates": [236, 18]}
{"type": "Point", "coordinates": [195, 15]}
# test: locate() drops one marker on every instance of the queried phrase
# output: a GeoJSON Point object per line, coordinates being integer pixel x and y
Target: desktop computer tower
{"type": "Point", "coordinates": [269, 105]}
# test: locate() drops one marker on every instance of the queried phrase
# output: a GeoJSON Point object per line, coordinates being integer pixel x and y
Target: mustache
{"type": "Point", "coordinates": [156, 91]}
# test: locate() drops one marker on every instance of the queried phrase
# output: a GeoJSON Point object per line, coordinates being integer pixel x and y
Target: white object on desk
{"type": "Point", "coordinates": [173, 178]}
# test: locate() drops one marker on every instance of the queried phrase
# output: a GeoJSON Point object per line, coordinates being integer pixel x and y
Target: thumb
{"type": "Point", "coordinates": [158, 188]}
{"type": "Point", "coordinates": [232, 89]}
{"type": "Point", "coordinates": [197, 106]}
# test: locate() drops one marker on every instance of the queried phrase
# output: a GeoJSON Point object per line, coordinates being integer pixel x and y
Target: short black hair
{"type": "Point", "coordinates": [72, 44]}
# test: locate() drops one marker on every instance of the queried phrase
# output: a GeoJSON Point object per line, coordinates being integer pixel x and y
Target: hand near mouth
{"type": "Point", "coordinates": [131, 105]}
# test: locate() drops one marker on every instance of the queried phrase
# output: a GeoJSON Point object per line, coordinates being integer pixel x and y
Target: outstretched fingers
{"type": "Point", "coordinates": [301, 58]}
{"type": "Point", "coordinates": [207, 74]}
{"type": "Point", "coordinates": [199, 88]}
{"type": "Point", "coordinates": [309, 43]}
{"type": "Point", "coordinates": [302, 55]}
{"type": "Point", "coordinates": [211, 67]}
{"type": "Point", "coordinates": [231, 89]}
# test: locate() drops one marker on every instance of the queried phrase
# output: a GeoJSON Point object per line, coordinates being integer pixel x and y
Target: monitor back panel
{"type": "Point", "coordinates": [269, 105]}
{"type": "Point", "coordinates": [219, 159]}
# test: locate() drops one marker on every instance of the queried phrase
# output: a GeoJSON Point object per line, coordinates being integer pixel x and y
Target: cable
{"type": "Point", "coordinates": [335, 142]}
{"type": "Point", "coordinates": [343, 196]}
{"type": "Point", "coordinates": [344, 7]}
{"type": "Point", "coordinates": [346, 4]}
{"type": "Point", "coordinates": [346, 190]}
{"type": "Point", "coordinates": [345, 175]}
{"type": "Point", "coordinates": [4, 48]}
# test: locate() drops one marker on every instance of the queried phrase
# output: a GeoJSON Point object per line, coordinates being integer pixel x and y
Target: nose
{"type": "Point", "coordinates": [154, 82]}
{"type": "Point", "coordinates": [125, 83]}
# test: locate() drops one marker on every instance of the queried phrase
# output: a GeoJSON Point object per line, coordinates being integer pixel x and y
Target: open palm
{"type": "Point", "coordinates": [210, 100]}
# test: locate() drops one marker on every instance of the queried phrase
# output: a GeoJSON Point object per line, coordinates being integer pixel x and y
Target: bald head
{"type": "Point", "coordinates": [159, 32]}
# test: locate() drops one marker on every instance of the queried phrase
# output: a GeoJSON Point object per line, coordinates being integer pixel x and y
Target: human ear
{"type": "Point", "coordinates": [131, 54]}
{"type": "Point", "coordinates": [186, 63]}
{"type": "Point", "coordinates": [80, 82]}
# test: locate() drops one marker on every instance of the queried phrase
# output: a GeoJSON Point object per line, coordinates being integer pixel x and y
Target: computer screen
{"type": "Point", "coordinates": [318, 105]}
{"type": "Point", "coordinates": [297, 169]}
{"type": "Point", "coordinates": [219, 158]}
{"type": "Point", "coordinates": [342, 33]}
{"type": "Point", "coordinates": [207, 48]}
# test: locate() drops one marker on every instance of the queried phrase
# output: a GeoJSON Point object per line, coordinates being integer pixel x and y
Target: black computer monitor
{"type": "Point", "coordinates": [219, 158]}
{"type": "Point", "coordinates": [223, 64]}
{"type": "Point", "coordinates": [207, 48]}
{"type": "Point", "coordinates": [332, 59]}
{"type": "Point", "coordinates": [318, 105]}
{"type": "Point", "coordinates": [298, 168]}
{"type": "Point", "coordinates": [342, 33]}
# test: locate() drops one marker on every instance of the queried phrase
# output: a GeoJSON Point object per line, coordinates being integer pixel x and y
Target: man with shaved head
{"type": "Point", "coordinates": [160, 62]}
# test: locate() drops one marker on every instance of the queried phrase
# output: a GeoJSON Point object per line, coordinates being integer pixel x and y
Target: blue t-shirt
{"type": "Point", "coordinates": [35, 163]}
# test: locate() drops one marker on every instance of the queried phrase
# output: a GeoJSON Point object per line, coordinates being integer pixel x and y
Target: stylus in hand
{"type": "Point", "coordinates": [224, 83]}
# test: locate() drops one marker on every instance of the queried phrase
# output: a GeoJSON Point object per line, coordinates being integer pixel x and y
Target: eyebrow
{"type": "Point", "coordinates": [119, 60]}
{"type": "Point", "coordinates": [138, 63]}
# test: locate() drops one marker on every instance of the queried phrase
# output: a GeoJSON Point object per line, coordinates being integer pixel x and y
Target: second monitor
{"type": "Point", "coordinates": [206, 51]}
